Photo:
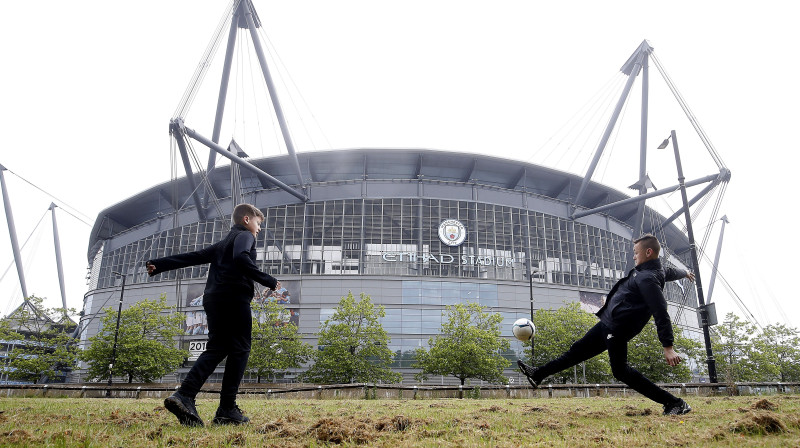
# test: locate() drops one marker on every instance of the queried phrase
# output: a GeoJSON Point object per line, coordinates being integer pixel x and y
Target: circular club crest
{"type": "Point", "coordinates": [452, 232]}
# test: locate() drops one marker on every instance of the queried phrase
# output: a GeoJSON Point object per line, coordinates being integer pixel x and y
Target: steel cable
{"type": "Point", "coordinates": [700, 132]}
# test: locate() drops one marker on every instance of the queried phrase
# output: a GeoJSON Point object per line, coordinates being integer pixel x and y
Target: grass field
{"type": "Point", "coordinates": [570, 422]}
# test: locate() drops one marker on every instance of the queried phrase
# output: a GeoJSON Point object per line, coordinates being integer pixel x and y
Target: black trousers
{"type": "Point", "coordinates": [598, 339]}
{"type": "Point", "coordinates": [229, 334]}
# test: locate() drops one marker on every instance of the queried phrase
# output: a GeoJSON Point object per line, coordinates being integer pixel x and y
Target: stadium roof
{"type": "Point", "coordinates": [323, 168]}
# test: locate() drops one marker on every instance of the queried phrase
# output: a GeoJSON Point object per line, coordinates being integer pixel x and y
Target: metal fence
{"type": "Point", "coordinates": [384, 391]}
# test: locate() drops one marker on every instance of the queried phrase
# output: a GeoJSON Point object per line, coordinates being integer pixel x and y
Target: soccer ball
{"type": "Point", "coordinates": [523, 329]}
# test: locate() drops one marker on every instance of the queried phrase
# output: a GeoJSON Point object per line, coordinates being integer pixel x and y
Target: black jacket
{"type": "Point", "coordinates": [233, 268]}
{"type": "Point", "coordinates": [639, 295]}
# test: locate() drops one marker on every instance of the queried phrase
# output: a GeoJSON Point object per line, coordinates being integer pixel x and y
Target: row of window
{"type": "Point", "coordinates": [397, 237]}
{"type": "Point", "coordinates": [354, 237]}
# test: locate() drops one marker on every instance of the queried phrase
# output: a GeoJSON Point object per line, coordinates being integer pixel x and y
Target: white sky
{"type": "Point", "coordinates": [87, 89]}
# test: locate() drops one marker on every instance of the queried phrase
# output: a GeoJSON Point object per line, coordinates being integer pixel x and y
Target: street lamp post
{"type": "Point", "coordinates": [116, 334]}
{"type": "Point", "coordinates": [530, 287]}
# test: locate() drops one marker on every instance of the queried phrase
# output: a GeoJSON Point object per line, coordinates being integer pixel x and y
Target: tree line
{"type": "Point", "coordinates": [353, 347]}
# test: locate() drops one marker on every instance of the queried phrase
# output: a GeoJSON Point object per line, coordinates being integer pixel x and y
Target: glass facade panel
{"type": "Point", "coordinates": [412, 321]}
{"type": "Point", "coordinates": [431, 292]}
{"type": "Point", "coordinates": [400, 237]}
{"type": "Point", "coordinates": [392, 322]}
{"type": "Point", "coordinates": [431, 321]}
{"type": "Point", "coordinates": [451, 293]}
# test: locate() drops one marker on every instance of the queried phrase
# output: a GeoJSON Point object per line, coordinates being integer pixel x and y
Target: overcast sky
{"type": "Point", "coordinates": [87, 90]}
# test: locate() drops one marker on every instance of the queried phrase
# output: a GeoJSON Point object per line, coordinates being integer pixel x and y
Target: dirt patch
{"type": "Point", "coordinates": [16, 436]}
{"type": "Point", "coordinates": [638, 412]}
{"type": "Point", "coordinates": [116, 418]}
{"type": "Point", "coordinates": [175, 441]}
{"type": "Point", "coordinates": [761, 423]}
{"type": "Point", "coordinates": [793, 420]}
{"type": "Point", "coordinates": [340, 431]}
{"type": "Point", "coordinates": [764, 405]}
{"type": "Point", "coordinates": [271, 426]}
{"type": "Point", "coordinates": [47, 419]}
{"type": "Point", "coordinates": [284, 444]}
{"type": "Point", "coordinates": [126, 420]}
{"type": "Point", "coordinates": [433, 434]}
{"type": "Point", "coordinates": [60, 438]}
{"type": "Point", "coordinates": [154, 434]}
{"type": "Point", "coordinates": [440, 405]}
{"type": "Point", "coordinates": [591, 414]}
{"type": "Point", "coordinates": [396, 423]}
{"type": "Point", "coordinates": [549, 424]}
{"type": "Point", "coordinates": [283, 427]}
{"type": "Point", "coordinates": [482, 425]}
{"type": "Point", "coordinates": [533, 409]}
{"type": "Point", "coordinates": [293, 417]}
{"type": "Point", "coordinates": [207, 440]}
{"type": "Point", "coordinates": [493, 409]}
{"type": "Point", "coordinates": [236, 439]}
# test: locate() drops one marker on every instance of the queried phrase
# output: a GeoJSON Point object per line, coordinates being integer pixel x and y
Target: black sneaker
{"type": "Point", "coordinates": [528, 371]}
{"type": "Point", "coordinates": [183, 407]}
{"type": "Point", "coordinates": [230, 416]}
{"type": "Point", "coordinates": [680, 407]}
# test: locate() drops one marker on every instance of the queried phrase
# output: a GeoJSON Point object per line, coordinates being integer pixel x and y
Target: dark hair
{"type": "Point", "coordinates": [242, 210]}
{"type": "Point", "coordinates": [649, 240]}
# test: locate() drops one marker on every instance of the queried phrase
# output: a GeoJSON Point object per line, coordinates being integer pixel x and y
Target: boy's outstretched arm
{"type": "Point", "coordinates": [159, 265]}
{"type": "Point", "coordinates": [672, 274]}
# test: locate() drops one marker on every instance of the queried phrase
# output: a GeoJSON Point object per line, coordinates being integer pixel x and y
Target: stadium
{"type": "Point", "coordinates": [416, 230]}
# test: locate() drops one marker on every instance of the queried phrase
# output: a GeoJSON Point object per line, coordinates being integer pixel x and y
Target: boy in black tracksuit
{"type": "Point", "coordinates": [226, 300]}
{"type": "Point", "coordinates": [628, 307]}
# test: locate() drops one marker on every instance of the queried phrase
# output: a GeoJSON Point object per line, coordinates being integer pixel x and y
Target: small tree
{"type": "Point", "coordinates": [739, 355]}
{"type": "Point", "coordinates": [470, 346]}
{"type": "Point", "coordinates": [7, 334]}
{"type": "Point", "coordinates": [646, 354]}
{"type": "Point", "coordinates": [41, 348]}
{"type": "Point", "coordinates": [146, 344]}
{"type": "Point", "coordinates": [556, 331]}
{"type": "Point", "coordinates": [276, 345]}
{"type": "Point", "coordinates": [353, 346]}
{"type": "Point", "coordinates": [784, 342]}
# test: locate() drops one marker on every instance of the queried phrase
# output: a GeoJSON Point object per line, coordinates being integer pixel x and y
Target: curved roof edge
{"type": "Point", "coordinates": [369, 165]}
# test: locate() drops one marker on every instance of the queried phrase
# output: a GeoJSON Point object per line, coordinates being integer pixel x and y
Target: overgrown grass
{"type": "Point", "coordinates": [568, 422]}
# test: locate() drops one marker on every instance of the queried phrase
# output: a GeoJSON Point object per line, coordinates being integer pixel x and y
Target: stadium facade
{"type": "Point", "coordinates": [416, 230]}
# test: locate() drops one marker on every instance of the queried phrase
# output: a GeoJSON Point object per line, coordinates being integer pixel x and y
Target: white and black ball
{"type": "Point", "coordinates": [523, 329]}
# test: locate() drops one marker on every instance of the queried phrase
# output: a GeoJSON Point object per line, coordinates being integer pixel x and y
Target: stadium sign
{"type": "Point", "coordinates": [452, 232]}
{"type": "Point", "coordinates": [196, 348]}
{"type": "Point", "coordinates": [464, 260]}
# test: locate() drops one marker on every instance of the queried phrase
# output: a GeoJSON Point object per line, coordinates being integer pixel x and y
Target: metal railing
{"type": "Point", "coordinates": [392, 391]}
